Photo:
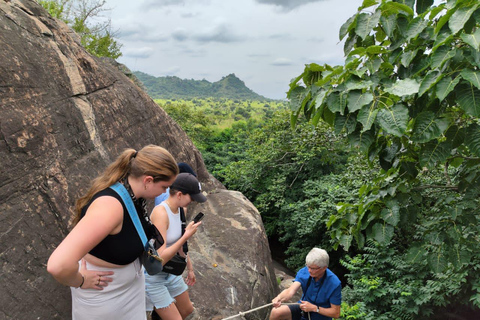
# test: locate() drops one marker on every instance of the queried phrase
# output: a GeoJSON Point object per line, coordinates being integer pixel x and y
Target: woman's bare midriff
{"type": "Point", "coordinates": [99, 262]}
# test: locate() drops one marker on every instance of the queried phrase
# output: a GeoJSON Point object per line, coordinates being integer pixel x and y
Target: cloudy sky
{"type": "Point", "coordinates": [265, 43]}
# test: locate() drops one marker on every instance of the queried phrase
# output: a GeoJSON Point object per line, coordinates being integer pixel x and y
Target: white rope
{"type": "Point", "coordinates": [256, 309]}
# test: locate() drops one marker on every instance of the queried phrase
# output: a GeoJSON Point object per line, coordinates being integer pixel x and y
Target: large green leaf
{"type": "Point", "coordinates": [391, 214]}
{"type": "Point", "coordinates": [345, 122]}
{"type": "Point", "coordinates": [472, 39]}
{"type": "Point", "coordinates": [415, 254]}
{"type": "Point", "coordinates": [296, 96]}
{"type": "Point", "coordinates": [357, 99]}
{"type": "Point", "coordinates": [347, 26]}
{"type": "Point", "coordinates": [455, 136]}
{"type": "Point", "coordinates": [458, 257]}
{"type": "Point", "coordinates": [357, 84]}
{"type": "Point", "coordinates": [460, 17]}
{"type": "Point", "coordinates": [442, 55]}
{"type": "Point", "coordinates": [443, 38]}
{"type": "Point", "coordinates": [392, 7]}
{"type": "Point", "coordinates": [336, 102]}
{"type": "Point", "coordinates": [367, 115]}
{"type": "Point", "coordinates": [433, 153]}
{"type": "Point", "coordinates": [471, 76]}
{"type": "Point", "coordinates": [403, 88]}
{"type": "Point", "coordinates": [415, 27]}
{"type": "Point", "coordinates": [408, 56]}
{"type": "Point", "coordinates": [393, 120]}
{"type": "Point", "coordinates": [366, 22]}
{"type": "Point", "coordinates": [437, 261]}
{"type": "Point", "coordinates": [346, 241]}
{"type": "Point", "coordinates": [423, 5]}
{"type": "Point", "coordinates": [468, 98]}
{"type": "Point", "coordinates": [361, 140]}
{"type": "Point", "coordinates": [472, 140]}
{"type": "Point", "coordinates": [429, 81]}
{"type": "Point", "coordinates": [389, 23]}
{"type": "Point", "coordinates": [444, 19]}
{"type": "Point", "coordinates": [445, 86]}
{"type": "Point", "coordinates": [427, 127]}
{"type": "Point", "coordinates": [382, 232]}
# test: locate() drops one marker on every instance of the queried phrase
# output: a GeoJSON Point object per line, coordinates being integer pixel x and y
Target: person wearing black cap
{"type": "Point", "coordinates": [168, 292]}
{"type": "Point", "coordinates": [182, 167]}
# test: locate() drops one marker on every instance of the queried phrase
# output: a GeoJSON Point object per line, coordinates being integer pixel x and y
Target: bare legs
{"type": "Point", "coordinates": [281, 313]}
{"type": "Point", "coordinates": [178, 310]}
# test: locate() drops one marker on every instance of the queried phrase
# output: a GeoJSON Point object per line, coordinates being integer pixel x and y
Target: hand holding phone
{"type": "Point", "coordinates": [198, 217]}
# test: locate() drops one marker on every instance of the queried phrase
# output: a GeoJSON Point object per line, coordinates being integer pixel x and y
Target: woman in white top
{"type": "Point", "coordinates": [168, 292]}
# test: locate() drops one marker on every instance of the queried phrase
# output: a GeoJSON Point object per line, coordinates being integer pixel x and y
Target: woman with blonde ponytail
{"type": "Point", "coordinates": [98, 259]}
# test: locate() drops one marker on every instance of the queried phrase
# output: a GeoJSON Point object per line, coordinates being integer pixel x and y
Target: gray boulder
{"type": "Point", "coordinates": [232, 259]}
{"type": "Point", "coordinates": [64, 115]}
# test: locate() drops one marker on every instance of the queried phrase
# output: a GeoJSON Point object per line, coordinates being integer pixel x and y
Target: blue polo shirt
{"type": "Point", "coordinates": [325, 291]}
{"type": "Point", "coordinates": [164, 196]}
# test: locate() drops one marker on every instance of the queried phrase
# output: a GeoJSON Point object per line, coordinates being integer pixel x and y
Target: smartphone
{"type": "Point", "coordinates": [198, 217]}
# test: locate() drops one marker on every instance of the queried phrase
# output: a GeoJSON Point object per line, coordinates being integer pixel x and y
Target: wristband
{"type": "Point", "coordinates": [318, 309]}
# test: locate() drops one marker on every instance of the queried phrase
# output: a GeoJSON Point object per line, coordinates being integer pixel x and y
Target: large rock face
{"type": "Point", "coordinates": [231, 254]}
{"type": "Point", "coordinates": [64, 115]}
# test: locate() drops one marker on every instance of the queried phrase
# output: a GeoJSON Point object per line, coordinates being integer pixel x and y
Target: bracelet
{"type": "Point", "coordinates": [83, 280]}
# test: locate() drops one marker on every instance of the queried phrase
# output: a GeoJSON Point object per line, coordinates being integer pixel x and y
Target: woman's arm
{"type": "Point", "coordinates": [191, 279]}
{"type": "Point", "coordinates": [103, 217]}
{"type": "Point", "coordinates": [159, 218]}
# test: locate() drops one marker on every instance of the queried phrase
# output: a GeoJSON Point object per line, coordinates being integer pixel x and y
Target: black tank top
{"type": "Point", "coordinates": [126, 246]}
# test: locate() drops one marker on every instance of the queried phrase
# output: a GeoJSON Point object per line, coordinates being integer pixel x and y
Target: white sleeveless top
{"type": "Point", "coordinates": [174, 231]}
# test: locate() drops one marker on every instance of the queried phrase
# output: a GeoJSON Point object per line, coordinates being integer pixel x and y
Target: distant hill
{"type": "Point", "coordinates": [169, 87]}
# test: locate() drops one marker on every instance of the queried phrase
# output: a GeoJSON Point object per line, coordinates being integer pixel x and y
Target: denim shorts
{"type": "Point", "coordinates": [162, 288]}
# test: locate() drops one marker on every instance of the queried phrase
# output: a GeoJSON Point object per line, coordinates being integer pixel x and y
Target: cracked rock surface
{"type": "Point", "coordinates": [64, 116]}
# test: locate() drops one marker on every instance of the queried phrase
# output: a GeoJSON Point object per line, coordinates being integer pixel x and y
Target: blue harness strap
{"type": "Point", "coordinates": [122, 192]}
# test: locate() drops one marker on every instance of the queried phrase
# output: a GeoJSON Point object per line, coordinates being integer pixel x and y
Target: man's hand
{"type": "Point", "coordinates": [277, 302]}
{"type": "Point", "coordinates": [307, 306]}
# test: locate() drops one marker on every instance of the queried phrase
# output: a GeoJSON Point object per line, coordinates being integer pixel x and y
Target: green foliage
{"type": "Point", "coordinates": [55, 9]}
{"type": "Point", "coordinates": [295, 178]}
{"type": "Point", "coordinates": [410, 84]}
{"type": "Point", "coordinates": [408, 99]}
{"type": "Point", "coordinates": [97, 39]}
{"type": "Point", "coordinates": [172, 87]}
{"type": "Point", "coordinates": [390, 287]}
{"type": "Point", "coordinates": [216, 127]}
{"type": "Point", "coordinates": [357, 311]}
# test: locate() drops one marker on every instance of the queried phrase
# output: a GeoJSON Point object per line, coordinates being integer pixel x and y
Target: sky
{"type": "Point", "coordinates": [265, 43]}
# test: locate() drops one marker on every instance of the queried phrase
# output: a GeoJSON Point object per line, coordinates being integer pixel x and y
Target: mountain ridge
{"type": "Point", "coordinates": [172, 87]}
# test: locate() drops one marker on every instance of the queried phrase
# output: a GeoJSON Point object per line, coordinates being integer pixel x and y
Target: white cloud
{"type": "Point", "coordinates": [143, 53]}
{"type": "Point", "coordinates": [180, 34]}
{"type": "Point", "coordinates": [128, 31]}
{"type": "Point", "coordinates": [282, 62]}
{"type": "Point", "coordinates": [288, 4]}
{"type": "Point", "coordinates": [265, 43]}
{"type": "Point", "coordinates": [220, 32]}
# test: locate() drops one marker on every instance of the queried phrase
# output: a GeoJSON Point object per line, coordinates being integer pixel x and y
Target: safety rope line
{"type": "Point", "coordinates": [240, 314]}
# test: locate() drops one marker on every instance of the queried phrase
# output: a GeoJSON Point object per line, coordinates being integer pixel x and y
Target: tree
{"type": "Point", "coordinates": [97, 38]}
{"type": "Point", "coordinates": [408, 97]}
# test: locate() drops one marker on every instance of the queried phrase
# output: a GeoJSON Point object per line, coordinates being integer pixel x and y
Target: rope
{"type": "Point", "coordinates": [241, 314]}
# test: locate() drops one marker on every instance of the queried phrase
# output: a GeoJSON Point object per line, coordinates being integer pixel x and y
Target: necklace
{"type": "Point", "coordinates": [171, 208]}
{"type": "Point", "coordinates": [137, 202]}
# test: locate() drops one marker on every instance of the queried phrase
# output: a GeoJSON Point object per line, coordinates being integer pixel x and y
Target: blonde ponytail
{"type": "Point", "coordinates": [151, 160]}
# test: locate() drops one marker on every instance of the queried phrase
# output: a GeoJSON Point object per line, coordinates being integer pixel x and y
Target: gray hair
{"type": "Point", "coordinates": [317, 257]}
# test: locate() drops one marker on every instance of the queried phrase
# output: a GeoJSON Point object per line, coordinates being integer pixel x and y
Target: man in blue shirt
{"type": "Point", "coordinates": [322, 292]}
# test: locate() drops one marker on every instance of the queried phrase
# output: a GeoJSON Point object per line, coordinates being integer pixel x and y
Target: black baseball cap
{"type": "Point", "coordinates": [187, 183]}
